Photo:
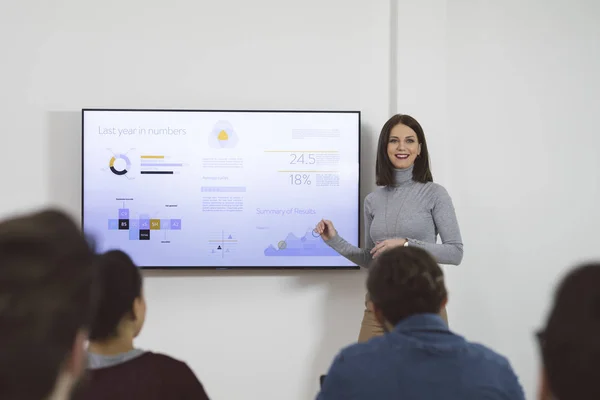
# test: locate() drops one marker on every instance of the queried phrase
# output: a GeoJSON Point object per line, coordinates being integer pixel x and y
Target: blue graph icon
{"type": "Point", "coordinates": [304, 246]}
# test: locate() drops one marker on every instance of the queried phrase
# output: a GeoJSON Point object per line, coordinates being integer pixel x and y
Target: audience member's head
{"type": "Point", "coordinates": [570, 342]}
{"type": "Point", "coordinates": [405, 281]}
{"type": "Point", "coordinates": [115, 366]}
{"type": "Point", "coordinates": [46, 302]}
{"type": "Point", "coordinates": [121, 306]}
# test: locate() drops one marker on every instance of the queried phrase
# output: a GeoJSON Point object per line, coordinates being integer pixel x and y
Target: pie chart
{"type": "Point", "coordinates": [119, 164]}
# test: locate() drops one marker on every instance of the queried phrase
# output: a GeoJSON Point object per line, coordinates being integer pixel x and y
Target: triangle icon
{"type": "Point", "coordinates": [222, 135]}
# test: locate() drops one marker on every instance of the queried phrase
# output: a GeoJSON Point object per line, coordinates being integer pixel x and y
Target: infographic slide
{"type": "Point", "coordinates": [221, 189]}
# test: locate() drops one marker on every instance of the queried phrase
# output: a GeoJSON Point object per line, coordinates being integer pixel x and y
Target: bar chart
{"type": "Point", "coordinates": [159, 165]}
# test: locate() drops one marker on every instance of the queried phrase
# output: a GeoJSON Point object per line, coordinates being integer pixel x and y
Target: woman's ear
{"type": "Point", "coordinates": [137, 308]}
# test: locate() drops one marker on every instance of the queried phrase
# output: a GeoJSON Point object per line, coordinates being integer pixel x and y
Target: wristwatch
{"type": "Point", "coordinates": [406, 243]}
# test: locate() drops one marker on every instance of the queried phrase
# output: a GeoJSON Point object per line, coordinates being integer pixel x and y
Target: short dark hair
{"type": "Point", "coordinates": [46, 298]}
{"type": "Point", "coordinates": [119, 284]}
{"type": "Point", "coordinates": [405, 281]}
{"type": "Point", "coordinates": [384, 169]}
{"type": "Point", "coordinates": [570, 342]}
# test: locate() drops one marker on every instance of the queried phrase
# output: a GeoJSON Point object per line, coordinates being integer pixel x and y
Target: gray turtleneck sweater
{"type": "Point", "coordinates": [408, 210]}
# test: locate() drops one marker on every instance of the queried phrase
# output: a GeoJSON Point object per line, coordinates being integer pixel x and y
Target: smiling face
{"type": "Point", "coordinates": [403, 146]}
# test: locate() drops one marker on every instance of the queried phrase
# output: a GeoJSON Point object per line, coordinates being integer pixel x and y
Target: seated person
{"type": "Point", "coordinates": [418, 357]}
{"type": "Point", "coordinates": [570, 342]}
{"type": "Point", "coordinates": [116, 369]}
{"type": "Point", "coordinates": [46, 281]}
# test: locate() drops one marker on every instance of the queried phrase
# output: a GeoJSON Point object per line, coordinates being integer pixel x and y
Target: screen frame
{"type": "Point", "coordinates": [236, 268]}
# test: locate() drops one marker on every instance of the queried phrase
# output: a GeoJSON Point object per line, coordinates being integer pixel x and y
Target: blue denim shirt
{"type": "Point", "coordinates": [420, 359]}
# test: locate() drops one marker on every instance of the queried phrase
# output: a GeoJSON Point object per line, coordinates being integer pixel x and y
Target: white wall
{"type": "Point", "coordinates": [508, 92]}
{"type": "Point", "coordinates": [505, 92]}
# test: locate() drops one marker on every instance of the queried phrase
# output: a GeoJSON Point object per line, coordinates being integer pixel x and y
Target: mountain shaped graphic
{"type": "Point", "coordinates": [306, 245]}
{"type": "Point", "coordinates": [291, 237]}
{"type": "Point", "coordinates": [269, 251]}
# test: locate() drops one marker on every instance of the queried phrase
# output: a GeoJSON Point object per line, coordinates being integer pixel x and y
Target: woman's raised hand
{"type": "Point", "coordinates": [326, 229]}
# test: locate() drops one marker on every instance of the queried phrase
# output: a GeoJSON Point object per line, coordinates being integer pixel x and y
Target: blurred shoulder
{"type": "Point", "coordinates": [177, 373]}
{"type": "Point", "coordinates": [371, 349]}
{"type": "Point", "coordinates": [490, 357]}
{"type": "Point", "coordinates": [165, 361]}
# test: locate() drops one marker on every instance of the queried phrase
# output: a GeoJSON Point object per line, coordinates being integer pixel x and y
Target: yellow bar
{"type": "Point", "coordinates": [152, 156]}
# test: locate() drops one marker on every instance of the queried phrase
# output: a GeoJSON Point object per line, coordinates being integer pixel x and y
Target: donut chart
{"type": "Point", "coordinates": [114, 170]}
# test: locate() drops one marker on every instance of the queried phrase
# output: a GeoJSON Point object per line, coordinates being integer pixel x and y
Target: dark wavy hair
{"type": "Point", "coordinates": [46, 297]}
{"type": "Point", "coordinates": [405, 281]}
{"type": "Point", "coordinates": [119, 284]}
{"type": "Point", "coordinates": [570, 342]}
{"type": "Point", "coordinates": [384, 169]}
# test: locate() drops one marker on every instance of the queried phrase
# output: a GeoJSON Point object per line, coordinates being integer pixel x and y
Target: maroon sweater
{"type": "Point", "coordinates": [150, 376]}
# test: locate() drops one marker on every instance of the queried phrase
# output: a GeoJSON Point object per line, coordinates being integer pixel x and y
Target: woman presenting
{"type": "Point", "coordinates": [407, 210]}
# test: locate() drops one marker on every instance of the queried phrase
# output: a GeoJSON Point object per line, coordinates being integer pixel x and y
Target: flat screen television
{"type": "Point", "coordinates": [221, 189]}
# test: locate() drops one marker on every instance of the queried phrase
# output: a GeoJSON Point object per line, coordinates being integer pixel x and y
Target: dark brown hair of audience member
{"type": "Point", "coordinates": [384, 170]}
{"type": "Point", "coordinates": [46, 299]}
{"type": "Point", "coordinates": [406, 281]}
{"type": "Point", "coordinates": [570, 342]}
{"type": "Point", "coordinates": [119, 285]}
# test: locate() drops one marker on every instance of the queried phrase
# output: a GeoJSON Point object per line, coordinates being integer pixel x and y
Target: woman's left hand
{"type": "Point", "coordinates": [380, 247]}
